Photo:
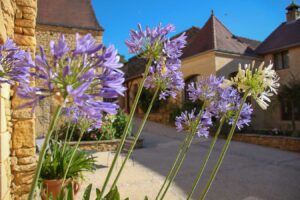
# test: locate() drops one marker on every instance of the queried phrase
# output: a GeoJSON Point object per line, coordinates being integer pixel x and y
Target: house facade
{"type": "Point", "coordinates": [56, 17]}
{"type": "Point", "coordinates": [282, 48]}
{"type": "Point", "coordinates": [214, 49]}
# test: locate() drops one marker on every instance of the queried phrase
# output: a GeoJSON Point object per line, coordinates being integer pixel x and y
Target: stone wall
{"type": "Point", "coordinates": [44, 34]}
{"type": "Point", "coordinates": [279, 142]}
{"type": "Point", "coordinates": [17, 146]}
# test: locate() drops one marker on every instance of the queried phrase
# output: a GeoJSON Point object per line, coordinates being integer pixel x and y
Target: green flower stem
{"type": "Point", "coordinates": [137, 135]}
{"type": "Point", "coordinates": [66, 137]}
{"type": "Point", "coordinates": [72, 132]}
{"type": "Point", "coordinates": [71, 160]}
{"type": "Point", "coordinates": [189, 142]}
{"type": "Point", "coordinates": [206, 158]}
{"type": "Point", "coordinates": [43, 152]}
{"type": "Point", "coordinates": [224, 149]}
{"type": "Point", "coordinates": [174, 164]}
{"type": "Point", "coordinates": [125, 132]}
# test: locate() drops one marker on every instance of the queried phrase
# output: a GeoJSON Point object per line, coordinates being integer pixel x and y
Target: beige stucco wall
{"type": "Point", "coordinates": [17, 144]}
{"type": "Point", "coordinates": [273, 114]}
{"type": "Point", "coordinates": [44, 34]}
{"type": "Point", "coordinates": [200, 64]}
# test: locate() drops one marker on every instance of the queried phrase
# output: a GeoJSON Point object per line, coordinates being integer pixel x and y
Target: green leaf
{"type": "Point", "coordinates": [98, 194]}
{"type": "Point", "coordinates": [87, 192]}
{"type": "Point", "coordinates": [69, 194]}
{"type": "Point", "coordinates": [127, 198]}
{"type": "Point", "coordinates": [146, 198]}
{"type": "Point", "coordinates": [113, 194]}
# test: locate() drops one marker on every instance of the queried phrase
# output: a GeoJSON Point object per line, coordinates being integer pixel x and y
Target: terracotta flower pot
{"type": "Point", "coordinates": [52, 188]}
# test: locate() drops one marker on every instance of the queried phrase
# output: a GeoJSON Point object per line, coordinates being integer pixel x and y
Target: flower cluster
{"type": "Point", "coordinates": [78, 78]}
{"type": "Point", "coordinates": [190, 122]}
{"type": "Point", "coordinates": [14, 64]}
{"type": "Point", "coordinates": [205, 89]}
{"type": "Point", "coordinates": [165, 70]}
{"type": "Point", "coordinates": [218, 102]}
{"type": "Point", "coordinates": [261, 82]}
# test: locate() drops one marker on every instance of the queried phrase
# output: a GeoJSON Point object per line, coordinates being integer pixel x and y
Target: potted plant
{"type": "Point", "coordinates": [57, 173]}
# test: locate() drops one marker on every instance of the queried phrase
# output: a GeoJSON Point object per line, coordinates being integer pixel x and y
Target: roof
{"type": "Point", "coordinates": [215, 36]}
{"type": "Point", "coordinates": [212, 36]}
{"type": "Point", "coordinates": [284, 36]}
{"type": "Point", "coordinates": [66, 13]}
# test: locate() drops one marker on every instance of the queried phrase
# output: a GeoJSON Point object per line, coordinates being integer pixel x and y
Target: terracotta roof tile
{"type": "Point", "coordinates": [73, 14]}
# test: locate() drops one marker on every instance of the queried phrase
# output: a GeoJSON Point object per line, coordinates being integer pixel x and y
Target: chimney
{"type": "Point", "coordinates": [292, 12]}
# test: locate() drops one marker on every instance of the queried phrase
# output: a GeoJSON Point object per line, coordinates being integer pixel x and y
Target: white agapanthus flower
{"type": "Point", "coordinates": [261, 82]}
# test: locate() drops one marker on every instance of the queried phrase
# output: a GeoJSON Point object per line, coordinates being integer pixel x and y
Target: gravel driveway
{"type": "Point", "coordinates": [249, 172]}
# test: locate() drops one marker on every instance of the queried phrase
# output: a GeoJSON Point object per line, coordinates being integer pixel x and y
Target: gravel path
{"type": "Point", "coordinates": [249, 172]}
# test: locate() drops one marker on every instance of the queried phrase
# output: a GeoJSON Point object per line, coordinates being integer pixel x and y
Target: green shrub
{"type": "Point", "coordinates": [58, 158]}
{"type": "Point", "coordinates": [119, 124]}
{"type": "Point", "coordinates": [145, 99]}
{"type": "Point", "coordinates": [112, 128]}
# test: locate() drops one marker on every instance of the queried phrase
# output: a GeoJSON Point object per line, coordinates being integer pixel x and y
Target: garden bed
{"type": "Point", "coordinates": [280, 142]}
{"type": "Point", "coordinates": [107, 145]}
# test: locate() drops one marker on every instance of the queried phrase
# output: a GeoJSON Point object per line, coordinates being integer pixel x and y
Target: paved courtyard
{"type": "Point", "coordinates": [249, 172]}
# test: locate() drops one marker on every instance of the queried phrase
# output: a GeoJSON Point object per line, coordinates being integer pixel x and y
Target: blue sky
{"type": "Point", "coordinates": [254, 19]}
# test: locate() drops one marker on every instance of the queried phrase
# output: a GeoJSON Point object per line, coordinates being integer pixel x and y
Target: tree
{"type": "Point", "coordinates": [290, 94]}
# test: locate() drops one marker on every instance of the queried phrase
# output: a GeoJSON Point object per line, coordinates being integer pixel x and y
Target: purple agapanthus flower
{"type": "Point", "coordinates": [188, 121]}
{"type": "Point", "coordinates": [221, 102]}
{"type": "Point", "coordinates": [205, 89]}
{"type": "Point", "coordinates": [15, 64]}
{"type": "Point", "coordinates": [165, 70]}
{"type": "Point", "coordinates": [78, 78]}
{"type": "Point", "coordinates": [148, 42]}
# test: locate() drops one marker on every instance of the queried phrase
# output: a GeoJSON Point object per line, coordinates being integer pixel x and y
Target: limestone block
{"type": "Point", "coordinates": [19, 14]}
{"type": "Point", "coordinates": [24, 152]}
{"type": "Point", "coordinates": [23, 178]}
{"type": "Point", "coordinates": [4, 146]}
{"type": "Point", "coordinates": [27, 160]}
{"type": "Point", "coordinates": [29, 3]}
{"type": "Point", "coordinates": [18, 30]}
{"type": "Point", "coordinates": [23, 135]}
{"type": "Point", "coordinates": [29, 16]}
{"type": "Point", "coordinates": [25, 113]}
{"type": "Point", "coordinates": [7, 7]}
{"type": "Point", "coordinates": [24, 40]}
{"type": "Point", "coordinates": [28, 10]}
{"type": "Point", "coordinates": [29, 31]}
{"type": "Point", "coordinates": [24, 168]}
{"type": "Point", "coordinates": [25, 23]}
{"type": "Point", "coordinates": [21, 189]}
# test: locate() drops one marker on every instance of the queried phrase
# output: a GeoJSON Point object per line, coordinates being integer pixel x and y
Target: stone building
{"type": "Point", "coordinates": [17, 133]}
{"type": "Point", "coordinates": [213, 49]}
{"type": "Point", "coordinates": [282, 47]}
{"type": "Point", "coordinates": [56, 17]}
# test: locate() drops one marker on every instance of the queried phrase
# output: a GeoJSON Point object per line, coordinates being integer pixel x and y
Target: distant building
{"type": "Point", "coordinates": [56, 17]}
{"type": "Point", "coordinates": [213, 49]}
{"type": "Point", "coordinates": [282, 47]}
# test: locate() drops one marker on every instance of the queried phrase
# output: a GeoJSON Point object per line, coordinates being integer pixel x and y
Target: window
{"type": "Point", "coordinates": [281, 60]}
{"type": "Point", "coordinates": [286, 111]}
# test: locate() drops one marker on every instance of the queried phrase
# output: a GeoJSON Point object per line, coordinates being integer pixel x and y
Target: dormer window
{"type": "Point", "coordinates": [281, 60]}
